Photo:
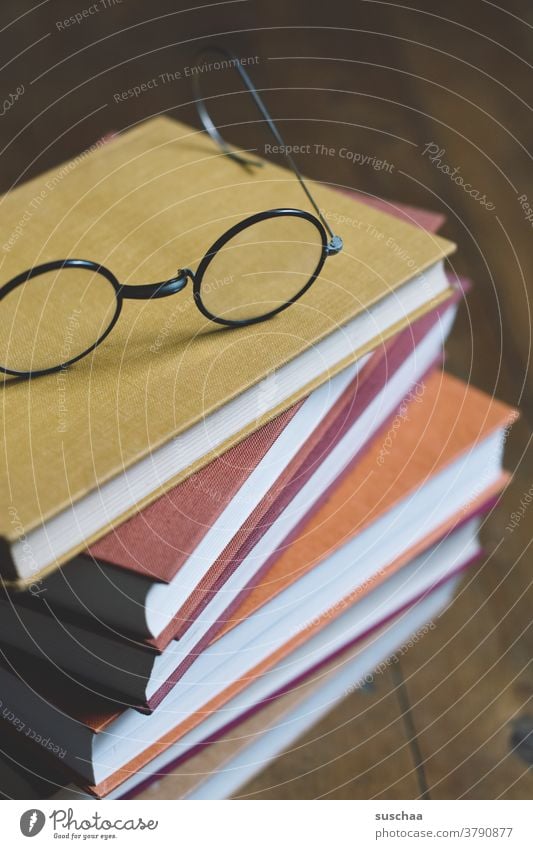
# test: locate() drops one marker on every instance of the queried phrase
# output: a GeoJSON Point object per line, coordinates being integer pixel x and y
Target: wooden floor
{"type": "Point", "coordinates": [384, 79]}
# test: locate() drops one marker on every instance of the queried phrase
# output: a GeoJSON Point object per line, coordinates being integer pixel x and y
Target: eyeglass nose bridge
{"type": "Point", "coordinates": [147, 291]}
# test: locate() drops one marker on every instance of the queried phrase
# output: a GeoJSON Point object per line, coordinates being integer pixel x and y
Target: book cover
{"type": "Point", "coordinates": [138, 204]}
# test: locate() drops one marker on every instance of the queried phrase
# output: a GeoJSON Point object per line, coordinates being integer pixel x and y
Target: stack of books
{"type": "Point", "coordinates": [209, 536]}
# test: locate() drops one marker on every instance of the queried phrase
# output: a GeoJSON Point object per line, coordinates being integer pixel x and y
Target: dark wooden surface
{"type": "Point", "coordinates": [383, 79]}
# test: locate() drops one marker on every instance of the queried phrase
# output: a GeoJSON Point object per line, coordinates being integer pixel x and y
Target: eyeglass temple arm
{"type": "Point", "coordinates": [158, 290]}
{"type": "Point", "coordinates": [212, 130]}
{"type": "Point", "coordinates": [336, 242]}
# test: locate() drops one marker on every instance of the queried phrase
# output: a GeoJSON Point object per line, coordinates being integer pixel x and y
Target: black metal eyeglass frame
{"type": "Point", "coordinates": [331, 244]}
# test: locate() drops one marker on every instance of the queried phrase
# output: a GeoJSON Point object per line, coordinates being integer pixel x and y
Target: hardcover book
{"type": "Point", "coordinates": [167, 392]}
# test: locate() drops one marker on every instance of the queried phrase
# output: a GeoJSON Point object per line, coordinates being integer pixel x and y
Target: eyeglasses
{"type": "Point", "coordinates": [55, 313]}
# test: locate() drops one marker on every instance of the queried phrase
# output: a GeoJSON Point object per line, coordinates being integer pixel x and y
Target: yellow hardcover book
{"type": "Point", "coordinates": [168, 389]}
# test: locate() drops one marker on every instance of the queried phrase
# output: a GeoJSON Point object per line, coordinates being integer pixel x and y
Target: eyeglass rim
{"type": "Point", "coordinates": [257, 218]}
{"type": "Point", "coordinates": [58, 265]}
{"type": "Point", "coordinates": [197, 277]}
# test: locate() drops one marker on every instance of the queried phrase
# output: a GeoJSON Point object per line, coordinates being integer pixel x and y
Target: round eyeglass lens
{"type": "Point", "coordinates": [54, 317]}
{"type": "Point", "coordinates": [261, 268]}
